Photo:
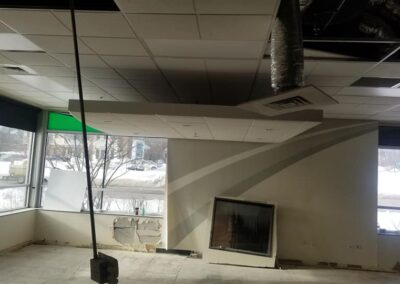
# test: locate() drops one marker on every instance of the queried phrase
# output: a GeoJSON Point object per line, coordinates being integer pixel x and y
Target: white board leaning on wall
{"type": "Point", "coordinates": [65, 191]}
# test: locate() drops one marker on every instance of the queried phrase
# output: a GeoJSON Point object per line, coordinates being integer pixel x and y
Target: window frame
{"type": "Point", "coordinates": [28, 175]}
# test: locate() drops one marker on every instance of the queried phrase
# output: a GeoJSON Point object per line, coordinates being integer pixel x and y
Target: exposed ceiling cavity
{"type": "Point", "coordinates": [364, 29]}
{"type": "Point", "coordinates": [88, 5]}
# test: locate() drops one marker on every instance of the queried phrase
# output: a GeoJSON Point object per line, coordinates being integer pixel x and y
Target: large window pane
{"type": "Point", "coordinates": [15, 147]}
{"type": "Point", "coordinates": [12, 198]}
{"type": "Point", "coordinates": [127, 172]}
{"type": "Point", "coordinates": [389, 190]}
{"type": "Point", "coordinates": [389, 177]}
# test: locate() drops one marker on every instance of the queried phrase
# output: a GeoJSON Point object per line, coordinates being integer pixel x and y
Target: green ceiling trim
{"type": "Point", "coordinates": [66, 122]}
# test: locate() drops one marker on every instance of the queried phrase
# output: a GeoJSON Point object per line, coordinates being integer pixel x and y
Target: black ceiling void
{"type": "Point", "coordinates": [89, 5]}
{"type": "Point", "coordinates": [363, 29]}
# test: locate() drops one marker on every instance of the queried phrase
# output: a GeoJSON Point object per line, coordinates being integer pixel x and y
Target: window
{"type": "Point", "coordinates": [389, 191]}
{"type": "Point", "coordinates": [128, 173]}
{"type": "Point", "coordinates": [15, 153]}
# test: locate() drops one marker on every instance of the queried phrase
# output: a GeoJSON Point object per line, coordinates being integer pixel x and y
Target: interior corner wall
{"type": "Point", "coordinates": [17, 228]}
{"type": "Point", "coordinates": [324, 183]}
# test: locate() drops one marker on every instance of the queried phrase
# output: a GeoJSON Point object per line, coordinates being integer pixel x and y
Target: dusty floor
{"type": "Point", "coordinates": [59, 265]}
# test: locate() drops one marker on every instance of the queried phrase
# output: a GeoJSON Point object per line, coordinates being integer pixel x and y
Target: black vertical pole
{"type": "Point", "coordinates": [84, 132]}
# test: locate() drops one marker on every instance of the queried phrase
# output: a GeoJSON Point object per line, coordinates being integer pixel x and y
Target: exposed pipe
{"type": "Point", "coordinates": [287, 59]}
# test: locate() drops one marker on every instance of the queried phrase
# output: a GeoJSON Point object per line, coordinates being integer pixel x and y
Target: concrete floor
{"type": "Point", "coordinates": [60, 265]}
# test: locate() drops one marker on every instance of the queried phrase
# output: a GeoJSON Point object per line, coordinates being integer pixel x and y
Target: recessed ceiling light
{"type": "Point", "coordinates": [16, 42]}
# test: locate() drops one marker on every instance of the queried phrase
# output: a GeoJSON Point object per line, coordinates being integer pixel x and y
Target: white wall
{"type": "Point", "coordinates": [324, 183]}
{"type": "Point", "coordinates": [17, 228]}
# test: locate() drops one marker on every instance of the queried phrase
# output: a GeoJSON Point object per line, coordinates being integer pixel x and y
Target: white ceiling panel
{"type": "Point", "coordinates": [36, 94]}
{"type": "Point", "coordinates": [111, 83]}
{"type": "Point", "coordinates": [356, 109]}
{"type": "Point", "coordinates": [32, 58]}
{"type": "Point", "coordinates": [130, 62]}
{"type": "Point", "coordinates": [70, 82]}
{"type": "Point", "coordinates": [115, 46]}
{"type": "Point", "coordinates": [330, 81]}
{"type": "Point", "coordinates": [333, 68]}
{"type": "Point", "coordinates": [17, 42]}
{"type": "Point", "coordinates": [6, 60]}
{"type": "Point", "coordinates": [367, 100]}
{"type": "Point", "coordinates": [102, 24]}
{"type": "Point", "coordinates": [42, 83]}
{"type": "Point", "coordinates": [54, 71]}
{"type": "Point", "coordinates": [17, 87]}
{"type": "Point", "coordinates": [192, 130]}
{"type": "Point", "coordinates": [206, 48]}
{"type": "Point", "coordinates": [188, 77]}
{"type": "Point", "coordinates": [236, 6]}
{"type": "Point", "coordinates": [156, 6]}
{"type": "Point", "coordinates": [125, 94]}
{"type": "Point", "coordinates": [386, 70]}
{"type": "Point", "coordinates": [234, 27]}
{"type": "Point", "coordinates": [232, 66]}
{"type": "Point", "coordinates": [364, 91]}
{"type": "Point", "coordinates": [34, 22]}
{"type": "Point", "coordinates": [85, 60]}
{"type": "Point", "coordinates": [7, 79]}
{"type": "Point", "coordinates": [106, 73]}
{"type": "Point", "coordinates": [330, 90]}
{"type": "Point", "coordinates": [165, 26]}
{"type": "Point", "coordinates": [5, 29]}
{"type": "Point", "coordinates": [58, 44]}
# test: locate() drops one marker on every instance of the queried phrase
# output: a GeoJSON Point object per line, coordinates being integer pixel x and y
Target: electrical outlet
{"type": "Point", "coordinates": [355, 246]}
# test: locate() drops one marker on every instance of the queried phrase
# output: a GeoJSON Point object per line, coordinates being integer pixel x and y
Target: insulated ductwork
{"type": "Point", "coordinates": [287, 60]}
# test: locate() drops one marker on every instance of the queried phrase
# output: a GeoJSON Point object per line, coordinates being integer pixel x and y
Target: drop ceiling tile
{"type": "Point", "coordinates": [17, 87]}
{"type": "Point", "coordinates": [206, 48]}
{"type": "Point", "coordinates": [181, 119]}
{"type": "Point", "coordinates": [234, 27]}
{"type": "Point", "coordinates": [188, 77]}
{"type": "Point", "coordinates": [330, 90]}
{"type": "Point", "coordinates": [192, 130]}
{"type": "Point", "coordinates": [385, 70]}
{"type": "Point", "coordinates": [243, 67]}
{"type": "Point", "coordinates": [70, 82]}
{"type": "Point", "coordinates": [54, 71]}
{"type": "Point", "coordinates": [333, 68]}
{"type": "Point", "coordinates": [102, 24]}
{"type": "Point", "coordinates": [106, 73]}
{"type": "Point", "coordinates": [17, 42]}
{"type": "Point", "coordinates": [6, 60]}
{"type": "Point", "coordinates": [156, 6]}
{"type": "Point", "coordinates": [5, 29]}
{"type": "Point", "coordinates": [125, 94]}
{"type": "Point", "coordinates": [349, 116]}
{"type": "Point", "coordinates": [41, 82]}
{"type": "Point", "coordinates": [330, 81]}
{"type": "Point", "coordinates": [85, 60]}
{"type": "Point", "coordinates": [32, 58]}
{"type": "Point", "coordinates": [165, 26]}
{"type": "Point", "coordinates": [115, 46]}
{"type": "Point", "coordinates": [130, 62]}
{"type": "Point", "coordinates": [365, 91]}
{"type": "Point", "coordinates": [369, 109]}
{"type": "Point", "coordinates": [58, 44]}
{"type": "Point", "coordinates": [236, 6]}
{"type": "Point", "coordinates": [7, 79]}
{"type": "Point", "coordinates": [111, 82]}
{"type": "Point", "coordinates": [367, 100]}
{"type": "Point", "coordinates": [34, 22]}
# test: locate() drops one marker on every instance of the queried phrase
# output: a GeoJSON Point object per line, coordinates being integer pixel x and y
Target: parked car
{"type": "Point", "coordinates": [18, 170]}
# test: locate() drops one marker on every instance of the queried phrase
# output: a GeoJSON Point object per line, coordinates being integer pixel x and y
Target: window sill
{"type": "Point", "coordinates": [15, 211]}
{"type": "Point", "coordinates": [106, 213]}
{"type": "Point", "coordinates": [389, 233]}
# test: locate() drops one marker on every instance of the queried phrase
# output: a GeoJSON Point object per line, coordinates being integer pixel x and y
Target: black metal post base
{"type": "Point", "coordinates": [104, 269]}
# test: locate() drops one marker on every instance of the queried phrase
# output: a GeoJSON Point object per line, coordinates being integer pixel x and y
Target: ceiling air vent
{"type": "Point", "coordinates": [302, 98]}
{"type": "Point", "coordinates": [17, 70]}
{"type": "Point", "coordinates": [288, 103]}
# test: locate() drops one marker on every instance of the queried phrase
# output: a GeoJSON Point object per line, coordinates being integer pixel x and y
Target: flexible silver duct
{"type": "Point", "coordinates": [287, 60]}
